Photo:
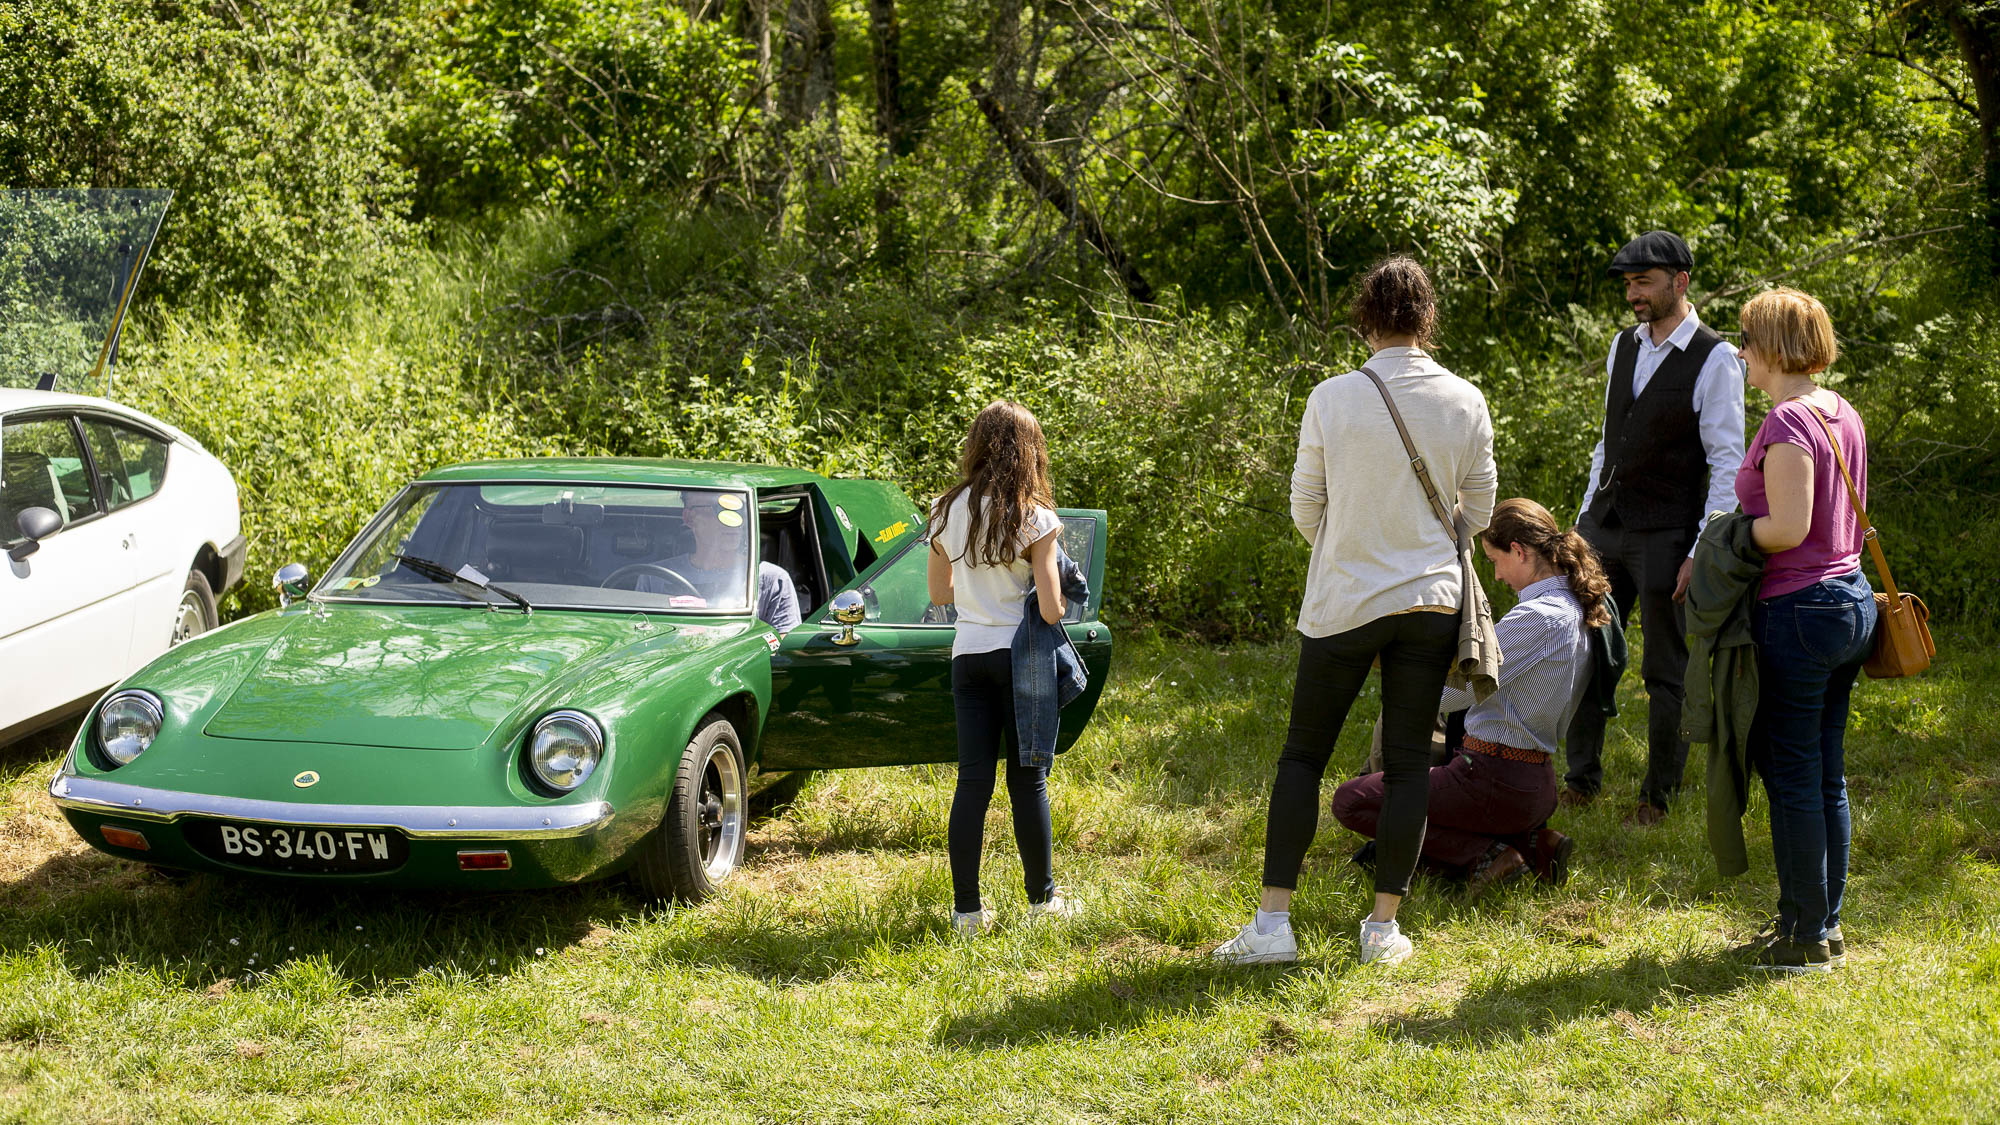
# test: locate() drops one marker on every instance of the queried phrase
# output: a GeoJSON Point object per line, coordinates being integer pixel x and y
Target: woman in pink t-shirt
{"type": "Point", "coordinates": [1814, 622]}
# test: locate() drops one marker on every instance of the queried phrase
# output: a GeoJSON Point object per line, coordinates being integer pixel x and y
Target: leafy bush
{"type": "Point", "coordinates": [258, 116]}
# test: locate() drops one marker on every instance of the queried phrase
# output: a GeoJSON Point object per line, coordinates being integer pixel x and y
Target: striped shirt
{"type": "Point", "coordinates": [1544, 667]}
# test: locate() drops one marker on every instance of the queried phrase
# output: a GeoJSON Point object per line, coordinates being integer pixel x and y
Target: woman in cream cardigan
{"type": "Point", "coordinates": [1384, 582]}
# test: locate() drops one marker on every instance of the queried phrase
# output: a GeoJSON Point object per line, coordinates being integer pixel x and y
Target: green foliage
{"type": "Point", "coordinates": [577, 102]}
{"type": "Point", "coordinates": [258, 116]}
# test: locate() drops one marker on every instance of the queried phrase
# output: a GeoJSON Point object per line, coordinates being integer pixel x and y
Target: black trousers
{"type": "Point", "coordinates": [1416, 651]}
{"type": "Point", "coordinates": [1643, 567]}
{"type": "Point", "coordinates": [982, 688]}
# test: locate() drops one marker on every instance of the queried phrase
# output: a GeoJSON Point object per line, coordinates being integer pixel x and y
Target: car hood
{"type": "Point", "coordinates": [427, 678]}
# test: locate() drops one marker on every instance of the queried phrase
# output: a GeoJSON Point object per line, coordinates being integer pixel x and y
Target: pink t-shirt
{"type": "Point", "coordinates": [1832, 546]}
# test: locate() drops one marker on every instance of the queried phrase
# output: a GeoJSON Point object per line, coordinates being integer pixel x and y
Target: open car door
{"type": "Point", "coordinates": [886, 699]}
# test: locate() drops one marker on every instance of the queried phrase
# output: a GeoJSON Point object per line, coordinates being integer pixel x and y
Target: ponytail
{"type": "Point", "coordinates": [1523, 521]}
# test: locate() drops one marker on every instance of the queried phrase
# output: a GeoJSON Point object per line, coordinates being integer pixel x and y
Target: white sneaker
{"type": "Point", "coordinates": [973, 924]}
{"type": "Point", "coordinates": [1249, 947]}
{"type": "Point", "coordinates": [1057, 909]}
{"type": "Point", "coordinates": [1382, 943]}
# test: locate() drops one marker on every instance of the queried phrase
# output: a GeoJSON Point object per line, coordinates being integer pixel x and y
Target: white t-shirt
{"type": "Point", "coordinates": [989, 597]}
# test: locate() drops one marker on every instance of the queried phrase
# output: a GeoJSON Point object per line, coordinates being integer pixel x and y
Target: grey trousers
{"type": "Point", "coordinates": [1642, 566]}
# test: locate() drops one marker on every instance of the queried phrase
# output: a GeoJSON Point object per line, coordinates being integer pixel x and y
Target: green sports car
{"type": "Point", "coordinates": [531, 672]}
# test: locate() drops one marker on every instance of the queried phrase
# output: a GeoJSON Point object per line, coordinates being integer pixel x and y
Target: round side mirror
{"type": "Point", "coordinates": [848, 610]}
{"type": "Point", "coordinates": [35, 524]}
{"type": "Point", "coordinates": [290, 582]}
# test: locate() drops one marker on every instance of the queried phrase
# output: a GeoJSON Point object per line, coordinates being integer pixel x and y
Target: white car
{"type": "Point", "coordinates": [121, 532]}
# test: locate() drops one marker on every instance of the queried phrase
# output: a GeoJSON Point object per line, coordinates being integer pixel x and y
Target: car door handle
{"type": "Point", "coordinates": [126, 542]}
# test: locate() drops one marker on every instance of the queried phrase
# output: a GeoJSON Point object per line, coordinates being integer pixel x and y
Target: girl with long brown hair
{"type": "Point", "coordinates": [1488, 801]}
{"type": "Point", "coordinates": [992, 534]}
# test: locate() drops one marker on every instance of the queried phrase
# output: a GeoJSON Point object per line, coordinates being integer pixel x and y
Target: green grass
{"type": "Point", "coordinates": [825, 985]}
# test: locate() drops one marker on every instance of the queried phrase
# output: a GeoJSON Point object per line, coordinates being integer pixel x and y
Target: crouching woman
{"type": "Point", "coordinates": [1489, 801]}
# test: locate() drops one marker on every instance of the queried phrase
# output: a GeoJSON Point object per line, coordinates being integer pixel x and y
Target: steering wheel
{"type": "Point", "coordinates": [649, 568]}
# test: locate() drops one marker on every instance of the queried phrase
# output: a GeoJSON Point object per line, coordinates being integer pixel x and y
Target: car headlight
{"type": "Point", "coordinates": [563, 749]}
{"type": "Point", "coordinates": [127, 724]}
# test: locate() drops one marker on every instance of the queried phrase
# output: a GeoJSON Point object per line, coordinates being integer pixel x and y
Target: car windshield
{"type": "Point", "coordinates": [568, 546]}
{"type": "Point", "coordinates": [69, 260]}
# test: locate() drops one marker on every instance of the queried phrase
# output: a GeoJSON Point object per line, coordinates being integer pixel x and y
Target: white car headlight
{"type": "Point", "coordinates": [127, 724]}
{"type": "Point", "coordinates": [564, 748]}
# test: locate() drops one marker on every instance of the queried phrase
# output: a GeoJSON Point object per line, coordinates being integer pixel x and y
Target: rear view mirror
{"type": "Point", "coordinates": [569, 513]}
{"type": "Point", "coordinates": [36, 524]}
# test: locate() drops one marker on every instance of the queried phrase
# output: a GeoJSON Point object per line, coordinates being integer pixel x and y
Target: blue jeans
{"type": "Point", "coordinates": [982, 688]}
{"type": "Point", "coordinates": [1810, 645]}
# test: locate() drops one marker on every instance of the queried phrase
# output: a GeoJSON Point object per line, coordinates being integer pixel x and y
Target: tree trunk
{"type": "Point", "coordinates": [1976, 29]}
{"type": "Point", "coordinates": [757, 29]}
{"type": "Point", "coordinates": [1057, 194]}
{"type": "Point", "coordinates": [808, 77]}
{"type": "Point", "coordinates": [885, 50]}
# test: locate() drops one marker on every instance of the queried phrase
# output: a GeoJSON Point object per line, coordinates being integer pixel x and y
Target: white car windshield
{"type": "Point", "coordinates": [552, 545]}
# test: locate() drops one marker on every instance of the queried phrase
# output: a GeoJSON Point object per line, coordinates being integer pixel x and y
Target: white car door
{"type": "Point", "coordinates": [65, 610]}
{"type": "Point", "coordinates": [160, 534]}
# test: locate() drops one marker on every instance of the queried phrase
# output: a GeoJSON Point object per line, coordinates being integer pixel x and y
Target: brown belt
{"type": "Point", "coordinates": [1510, 753]}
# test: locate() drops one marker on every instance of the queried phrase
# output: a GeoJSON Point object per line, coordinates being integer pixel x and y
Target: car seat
{"type": "Point", "coordinates": [532, 551]}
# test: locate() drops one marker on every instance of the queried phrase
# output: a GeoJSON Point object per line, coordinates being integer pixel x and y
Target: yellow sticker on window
{"type": "Point", "coordinates": [730, 519]}
{"type": "Point", "coordinates": [730, 501]}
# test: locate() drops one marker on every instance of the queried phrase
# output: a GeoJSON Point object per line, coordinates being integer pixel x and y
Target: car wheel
{"type": "Point", "coordinates": [196, 614]}
{"type": "Point", "coordinates": [700, 840]}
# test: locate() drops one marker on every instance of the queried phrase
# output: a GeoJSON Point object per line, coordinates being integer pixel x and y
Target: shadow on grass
{"type": "Point", "coordinates": [1105, 1002]}
{"type": "Point", "coordinates": [195, 930]}
{"type": "Point", "coordinates": [1514, 1008]}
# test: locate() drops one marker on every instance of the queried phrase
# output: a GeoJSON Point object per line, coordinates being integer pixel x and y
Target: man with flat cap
{"type": "Point", "coordinates": [1672, 442]}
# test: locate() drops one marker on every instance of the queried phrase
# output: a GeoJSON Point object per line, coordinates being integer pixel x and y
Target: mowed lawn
{"type": "Point", "coordinates": [826, 985]}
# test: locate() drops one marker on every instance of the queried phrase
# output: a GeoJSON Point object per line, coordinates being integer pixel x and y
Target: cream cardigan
{"type": "Point", "coordinates": [1376, 547]}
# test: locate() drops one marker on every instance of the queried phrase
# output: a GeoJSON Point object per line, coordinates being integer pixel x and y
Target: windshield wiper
{"type": "Point", "coordinates": [437, 572]}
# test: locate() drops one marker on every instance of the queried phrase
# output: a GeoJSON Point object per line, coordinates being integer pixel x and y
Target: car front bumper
{"type": "Point", "coordinates": [233, 554]}
{"type": "Point", "coordinates": [546, 845]}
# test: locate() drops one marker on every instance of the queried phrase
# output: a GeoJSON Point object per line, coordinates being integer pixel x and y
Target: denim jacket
{"type": "Point", "coordinates": [1048, 673]}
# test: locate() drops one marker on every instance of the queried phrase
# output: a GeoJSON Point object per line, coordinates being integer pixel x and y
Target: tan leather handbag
{"type": "Point", "coordinates": [1903, 645]}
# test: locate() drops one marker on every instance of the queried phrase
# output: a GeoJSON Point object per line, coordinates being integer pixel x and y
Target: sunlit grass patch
{"type": "Point", "coordinates": [826, 984]}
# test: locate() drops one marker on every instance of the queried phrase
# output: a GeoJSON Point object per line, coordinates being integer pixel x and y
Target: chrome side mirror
{"type": "Point", "coordinates": [35, 524]}
{"type": "Point", "coordinates": [290, 582]}
{"type": "Point", "coordinates": [848, 611]}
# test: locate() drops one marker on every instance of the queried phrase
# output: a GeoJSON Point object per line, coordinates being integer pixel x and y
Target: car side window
{"type": "Point", "coordinates": [900, 594]}
{"type": "Point", "coordinates": [42, 466]}
{"type": "Point", "coordinates": [131, 464]}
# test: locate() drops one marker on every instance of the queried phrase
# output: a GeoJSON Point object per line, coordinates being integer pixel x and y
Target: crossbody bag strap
{"type": "Point", "coordinates": [1860, 515]}
{"type": "Point", "coordinates": [1416, 460]}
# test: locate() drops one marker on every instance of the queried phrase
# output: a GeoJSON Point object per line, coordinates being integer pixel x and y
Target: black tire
{"type": "Point", "coordinates": [196, 613]}
{"type": "Point", "coordinates": [700, 839]}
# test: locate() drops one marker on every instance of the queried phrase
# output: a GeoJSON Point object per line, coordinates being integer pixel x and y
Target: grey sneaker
{"type": "Point", "coordinates": [1783, 955]}
{"type": "Point", "coordinates": [1382, 943]}
{"type": "Point", "coordinates": [1249, 947]}
{"type": "Point", "coordinates": [1059, 908]}
{"type": "Point", "coordinates": [972, 924]}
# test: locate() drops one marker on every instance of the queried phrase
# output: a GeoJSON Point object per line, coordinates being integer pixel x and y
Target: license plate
{"type": "Point", "coordinates": [307, 848]}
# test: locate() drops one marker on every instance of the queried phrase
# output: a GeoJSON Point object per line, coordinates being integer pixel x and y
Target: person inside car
{"type": "Point", "coordinates": [715, 567]}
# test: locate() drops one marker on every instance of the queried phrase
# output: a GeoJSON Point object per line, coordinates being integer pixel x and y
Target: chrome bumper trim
{"type": "Point", "coordinates": [426, 822]}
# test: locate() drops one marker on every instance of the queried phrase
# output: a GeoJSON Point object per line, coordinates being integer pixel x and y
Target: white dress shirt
{"type": "Point", "coordinates": [1718, 406]}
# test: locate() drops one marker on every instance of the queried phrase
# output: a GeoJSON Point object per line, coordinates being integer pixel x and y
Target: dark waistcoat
{"type": "Point", "coordinates": [1655, 469]}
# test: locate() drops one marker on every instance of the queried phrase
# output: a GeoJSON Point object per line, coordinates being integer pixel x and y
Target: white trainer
{"type": "Point", "coordinates": [1057, 909]}
{"type": "Point", "coordinates": [1382, 943]}
{"type": "Point", "coordinates": [1249, 947]}
{"type": "Point", "coordinates": [972, 924]}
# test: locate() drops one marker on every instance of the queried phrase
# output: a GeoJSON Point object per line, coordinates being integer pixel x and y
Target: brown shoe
{"type": "Point", "coordinates": [1552, 852]}
{"type": "Point", "coordinates": [1644, 815]}
{"type": "Point", "coordinates": [1574, 798]}
{"type": "Point", "coordinates": [1501, 864]}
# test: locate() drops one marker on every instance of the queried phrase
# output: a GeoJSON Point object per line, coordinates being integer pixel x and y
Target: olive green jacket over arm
{"type": "Point", "coordinates": [1721, 680]}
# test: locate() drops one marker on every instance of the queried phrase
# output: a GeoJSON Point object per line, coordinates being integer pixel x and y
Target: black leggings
{"type": "Point", "coordinates": [982, 688]}
{"type": "Point", "coordinates": [1416, 651]}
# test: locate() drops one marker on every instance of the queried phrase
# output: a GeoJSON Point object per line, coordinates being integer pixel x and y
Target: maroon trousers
{"type": "Point", "coordinates": [1476, 800]}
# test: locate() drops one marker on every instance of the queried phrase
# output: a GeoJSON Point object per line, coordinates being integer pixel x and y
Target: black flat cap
{"type": "Point", "coordinates": [1662, 248]}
